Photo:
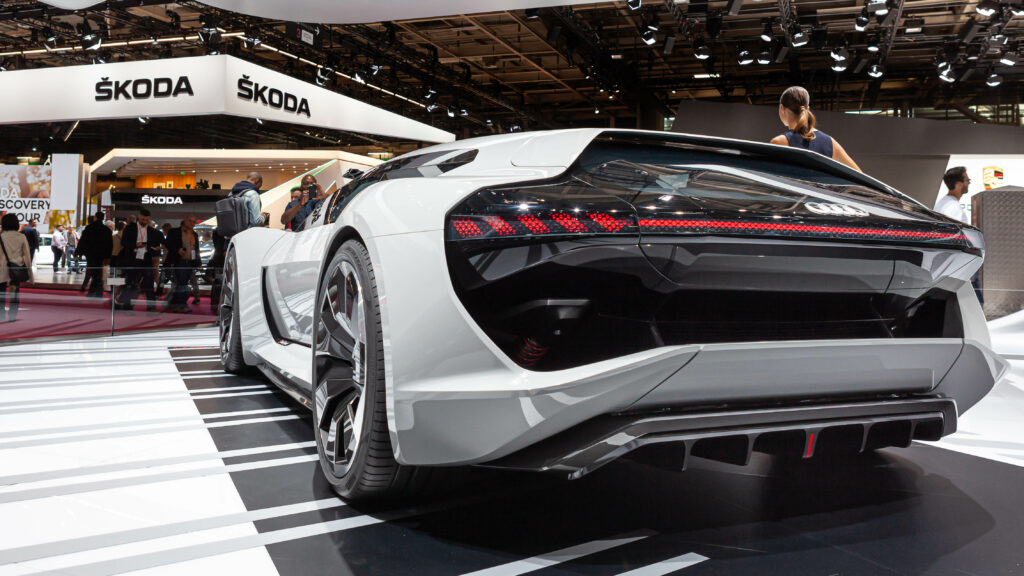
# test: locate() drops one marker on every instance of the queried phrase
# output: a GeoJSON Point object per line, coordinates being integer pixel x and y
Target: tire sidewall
{"type": "Point", "coordinates": [355, 254]}
{"type": "Point", "coordinates": [232, 360]}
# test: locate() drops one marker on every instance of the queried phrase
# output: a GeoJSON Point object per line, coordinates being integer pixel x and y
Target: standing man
{"type": "Point", "coordinates": [96, 244]}
{"type": "Point", "coordinates": [32, 235]}
{"type": "Point", "coordinates": [139, 245]}
{"type": "Point", "coordinates": [250, 190]}
{"type": "Point", "coordinates": [70, 259]}
{"type": "Point", "coordinates": [957, 182]}
{"type": "Point", "coordinates": [182, 260]}
{"type": "Point", "coordinates": [57, 245]}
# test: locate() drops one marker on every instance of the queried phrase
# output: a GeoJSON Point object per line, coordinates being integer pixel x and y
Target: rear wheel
{"type": "Point", "coordinates": [349, 396]}
{"type": "Point", "coordinates": [230, 332]}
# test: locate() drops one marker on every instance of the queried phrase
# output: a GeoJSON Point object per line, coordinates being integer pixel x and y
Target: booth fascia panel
{"type": "Point", "coordinates": [119, 157]}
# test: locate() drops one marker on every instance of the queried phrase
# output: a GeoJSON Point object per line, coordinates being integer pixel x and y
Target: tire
{"type": "Point", "coordinates": [230, 331]}
{"type": "Point", "coordinates": [349, 394]}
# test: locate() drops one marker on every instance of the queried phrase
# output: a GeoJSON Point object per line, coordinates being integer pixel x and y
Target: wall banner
{"type": "Point", "coordinates": [25, 192]}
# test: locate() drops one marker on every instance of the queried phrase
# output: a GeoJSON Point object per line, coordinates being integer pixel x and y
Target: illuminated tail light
{"type": "Point", "coordinates": [475, 227]}
{"type": "Point", "coordinates": [707, 226]}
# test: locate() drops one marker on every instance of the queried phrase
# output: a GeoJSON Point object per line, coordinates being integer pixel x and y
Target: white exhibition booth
{"type": "Point", "coordinates": [193, 86]}
{"type": "Point", "coordinates": [176, 87]}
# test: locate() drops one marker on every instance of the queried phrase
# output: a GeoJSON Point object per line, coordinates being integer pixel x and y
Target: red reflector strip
{"type": "Point", "coordinates": [569, 223]}
{"type": "Point", "coordinates": [533, 224]}
{"type": "Point", "coordinates": [500, 226]}
{"type": "Point", "coordinates": [671, 225]}
{"type": "Point", "coordinates": [810, 446]}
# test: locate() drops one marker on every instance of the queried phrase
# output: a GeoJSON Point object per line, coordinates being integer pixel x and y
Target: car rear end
{"type": "Point", "coordinates": [744, 298]}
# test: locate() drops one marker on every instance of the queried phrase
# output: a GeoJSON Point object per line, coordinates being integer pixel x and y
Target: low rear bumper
{"type": "Point", "coordinates": [486, 417]}
{"type": "Point", "coordinates": [732, 436]}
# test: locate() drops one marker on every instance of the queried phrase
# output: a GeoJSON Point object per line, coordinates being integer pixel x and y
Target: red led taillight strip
{"type": "Point", "coordinates": [569, 223]}
{"type": "Point", "coordinates": [499, 225]}
{"type": "Point", "coordinates": [524, 225]}
{"type": "Point", "coordinates": [533, 224]}
{"type": "Point", "coordinates": [670, 225]}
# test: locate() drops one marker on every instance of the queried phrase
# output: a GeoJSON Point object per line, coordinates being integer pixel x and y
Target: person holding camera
{"type": "Point", "coordinates": [311, 195]}
{"type": "Point", "coordinates": [298, 201]}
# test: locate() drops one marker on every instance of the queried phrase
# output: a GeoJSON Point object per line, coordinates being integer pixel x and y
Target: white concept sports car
{"type": "Point", "coordinates": [552, 301]}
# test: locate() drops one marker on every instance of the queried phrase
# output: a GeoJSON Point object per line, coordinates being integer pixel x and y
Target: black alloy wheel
{"type": "Point", "coordinates": [349, 397]}
{"type": "Point", "coordinates": [230, 331]}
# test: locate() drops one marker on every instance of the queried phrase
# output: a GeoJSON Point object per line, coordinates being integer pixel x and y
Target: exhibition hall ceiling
{"type": "Point", "coordinates": [622, 64]}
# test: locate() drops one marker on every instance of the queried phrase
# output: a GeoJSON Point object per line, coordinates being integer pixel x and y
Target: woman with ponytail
{"type": "Point", "coordinates": [795, 113]}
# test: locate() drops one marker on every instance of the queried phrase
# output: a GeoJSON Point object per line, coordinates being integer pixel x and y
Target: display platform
{"type": "Point", "coordinates": [137, 453]}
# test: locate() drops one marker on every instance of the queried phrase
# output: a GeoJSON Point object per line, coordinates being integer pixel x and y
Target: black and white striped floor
{"type": "Point", "coordinates": [137, 454]}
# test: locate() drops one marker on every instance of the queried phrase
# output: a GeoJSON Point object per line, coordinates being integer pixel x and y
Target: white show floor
{"type": "Point", "coordinates": [83, 407]}
{"type": "Point", "coordinates": [81, 488]}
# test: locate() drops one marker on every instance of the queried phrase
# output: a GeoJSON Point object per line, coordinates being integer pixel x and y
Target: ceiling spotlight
{"type": "Point", "coordinates": [764, 57]}
{"type": "Point", "coordinates": [597, 110]}
{"type": "Point", "coordinates": [840, 65]}
{"type": "Point", "coordinates": [1008, 58]}
{"type": "Point", "coordinates": [251, 38]}
{"type": "Point", "coordinates": [766, 34]}
{"type": "Point", "coordinates": [994, 80]}
{"type": "Point", "coordinates": [143, 120]}
{"type": "Point", "coordinates": [463, 112]}
{"type": "Point", "coordinates": [862, 21]}
{"type": "Point", "coordinates": [517, 127]}
{"type": "Point", "coordinates": [1017, 9]}
{"type": "Point", "coordinates": [430, 93]}
{"type": "Point", "coordinates": [873, 45]}
{"type": "Point", "coordinates": [259, 121]}
{"type": "Point", "coordinates": [744, 57]}
{"type": "Point", "coordinates": [840, 53]}
{"type": "Point", "coordinates": [5, 65]}
{"type": "Point", "coordinates": [356, 77]}
{"type": "Point", "coordinates": [90, 39]}
{"type": "Point", "coordinates": [49, 39]}
{"type": "Point", "coordinates": [701, 51]}
{"type": "Point", "coordinates": [634, 4]}
{"type": "Point", "coordinates": [649, 37]}
{"type": "Point", "coordinates": [431, 107]}
{"type": "Point", "coordinates": [208, 24]}
{"type": "Point", "coordinates": [882, 7]}
{"type": "Point", "coordinates": [876, 70]}
{"type": "Point", "coordinates": [323, 75]}
{"type": "Point", "coordinates": [451, 112]}
{"type": "Point", "coordinates": [987, 7]}
{"type": "Point", "coordinates": [947, 76]}
{"type": "Point", "coordinates": [489, 122]}
{"type": "Point", "coordinates": [532, 14]}
{"type": "Point", "coordinates": [799, 37]}
{"type": "Point", "coordinates": [375, 68]}
{"type": "Point", "coordinates": [942, 63]}
{"type": "Point", "coordinates": [100, 58]}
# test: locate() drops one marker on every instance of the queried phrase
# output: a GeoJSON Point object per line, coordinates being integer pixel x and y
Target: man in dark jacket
{"type": "Point", "coordinates": [97, 244]}
{"type": "Point", "coordinates": [139, 245]}
{"type": "Point", "coordinates": [32, 235]}
{"type": "Point", "coordinates": [250, 190]}
{"type": "Point", "coordinates": [182, 260]}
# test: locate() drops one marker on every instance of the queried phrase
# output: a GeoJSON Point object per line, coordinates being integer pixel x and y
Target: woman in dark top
{"type": "Point", "coordinates": [795, 114]}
